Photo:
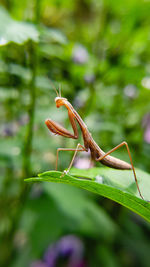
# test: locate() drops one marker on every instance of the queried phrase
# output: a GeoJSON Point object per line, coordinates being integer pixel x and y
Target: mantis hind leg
{"type": "Point", "coordinates": [132, 166]}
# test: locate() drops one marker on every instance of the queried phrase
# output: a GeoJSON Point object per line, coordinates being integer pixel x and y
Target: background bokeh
{"type": "Point", "coordinates": [99, 51]}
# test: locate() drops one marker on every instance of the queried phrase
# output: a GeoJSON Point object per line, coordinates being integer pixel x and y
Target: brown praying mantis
{"type": "Point", "coordinates": [97, 153]}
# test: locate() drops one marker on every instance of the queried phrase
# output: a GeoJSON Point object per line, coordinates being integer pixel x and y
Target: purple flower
{"type": "Point", "coordinates": [146, 125]}
{"type": "Point", "coordinates": [9, 129]}
{"type": "Point", "coordinates": [89, 78]}
{"type": "Point", "coordinates": [36, 191]}
{"type": "Point", "coordinates": [51, 255]}
{"type": "Point", "coordinates": [146, 120]}
{"type": "Point", "coordinates": [131, 91]}
{"type": "Point", "coordinates": [24, 119]}
{"type": "Point", "coordinates": [78, 102]}
{"type": "Point", "coordinates": [80, 54]}
{"type": "Point", "coordinates": [39, 263]}
{"type": "Point", "coordinates": [147, 135]}
{"type": "Point", "coordinates": [83, 163]}
{"type": "Point", "coordinates": [68, 246]}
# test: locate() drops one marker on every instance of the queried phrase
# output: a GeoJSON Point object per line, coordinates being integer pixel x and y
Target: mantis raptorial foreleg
{"type": "Point", "coordinates": [70, 149]}
{"type": "Point", "coordinates": [132, 166]}
{"type": "Point", "coordinates": [56, 128]}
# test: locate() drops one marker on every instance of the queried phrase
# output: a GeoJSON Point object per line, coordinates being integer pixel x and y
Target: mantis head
{"type": "Point", "coordinates": [60, 101]}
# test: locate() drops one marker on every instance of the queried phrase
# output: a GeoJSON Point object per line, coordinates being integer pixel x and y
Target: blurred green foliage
{"type": "Point", "coordinates": [99, 52]}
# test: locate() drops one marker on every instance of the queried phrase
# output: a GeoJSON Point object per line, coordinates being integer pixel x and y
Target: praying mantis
{"type": "Point", "coordinates": [97, 153]}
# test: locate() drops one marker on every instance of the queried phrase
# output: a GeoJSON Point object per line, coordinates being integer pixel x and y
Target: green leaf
{"type": "Point", "coordinates": [15, 31]}
{"type": "Point", "coordinates": [113, 184]}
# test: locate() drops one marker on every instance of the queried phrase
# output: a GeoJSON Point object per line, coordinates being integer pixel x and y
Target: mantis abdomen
{"type": "Point", "coordinates": [115, 163]}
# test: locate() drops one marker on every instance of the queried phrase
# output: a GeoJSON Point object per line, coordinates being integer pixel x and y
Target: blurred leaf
{"type": "Point", "coordinates": [53, 35]}
{"type": "Point", "coordinates": [18, 70]}
{"type": "Point", "coordinates": [88, 217]}
{"type": "Point", "coordinates": [53, 50]}
{"type": "Point", "coordinates": [14, 31]}
{"type": "Point", "coordinates": [109, 183]}
{"type": "Point", "coordinates": [8, 93]}
{"type": "Point", "coordinates": [42, 82]}
{"type": "Point", "coordinates": [33, 221]}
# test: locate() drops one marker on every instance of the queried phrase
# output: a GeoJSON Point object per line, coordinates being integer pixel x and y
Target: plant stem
{"type": "Point", "coordinates": [31, 111]}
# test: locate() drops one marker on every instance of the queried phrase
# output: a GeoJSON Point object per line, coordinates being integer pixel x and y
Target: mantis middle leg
{"type": "Point", "coordinates": [69, 149]}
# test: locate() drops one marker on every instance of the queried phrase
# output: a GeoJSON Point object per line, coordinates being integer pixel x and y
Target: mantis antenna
{"type": "Point", "coordinates": [59, 89]}
{"type": "Point", "coordinates": [54, 88]}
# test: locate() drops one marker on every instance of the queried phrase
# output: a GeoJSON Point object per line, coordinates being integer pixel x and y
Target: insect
{"type": "Point", "coordinates": [97, 153]}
